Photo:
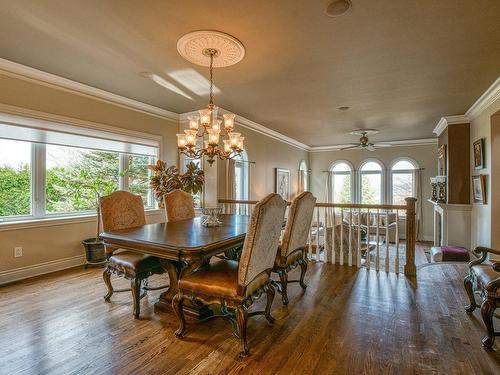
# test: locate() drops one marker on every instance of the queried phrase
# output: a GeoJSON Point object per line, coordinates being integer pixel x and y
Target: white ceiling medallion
{"type": "Point", "coordinates": [193, 47]}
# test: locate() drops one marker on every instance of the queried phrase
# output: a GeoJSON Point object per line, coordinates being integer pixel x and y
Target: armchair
{"type": "Point", "coordinates": [485, 280]}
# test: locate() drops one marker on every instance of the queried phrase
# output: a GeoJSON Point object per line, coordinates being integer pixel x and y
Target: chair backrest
{"type": "Point", "coordinates": [179, 205]}
{"type": "Point", "coordinates": [262, 239]}
{"type": "Point", "coordinates": [121, 210]}
{"type": "Point", "coordinates": [298, 223]}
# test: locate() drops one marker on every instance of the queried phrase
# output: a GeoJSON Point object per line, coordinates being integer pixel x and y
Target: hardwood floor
{"type": "Point", "coordinates": [348, 321]}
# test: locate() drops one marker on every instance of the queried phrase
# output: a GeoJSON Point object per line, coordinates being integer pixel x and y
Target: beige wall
{"type": "Point", "coordinates": [495, 180]}
{"type": "Point", "coordinates": [480, 127]}
{"type": "Point", "coordinates": [425, 156]}
{"type": "Point", "coordinates": [55, 242]}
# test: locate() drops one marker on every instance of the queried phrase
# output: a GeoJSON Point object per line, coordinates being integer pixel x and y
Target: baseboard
{"type": "Point", "coordinates": [40, 269]}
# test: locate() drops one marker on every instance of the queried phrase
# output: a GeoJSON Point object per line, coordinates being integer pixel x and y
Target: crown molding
{"type": "Point", "coordinates": [406, 142]}
{"type": "Point", "coordinates": [488, 98]}
{"type": "Point", "coordinates": [444, 122]}
{"type": "Point", "coordinates": [13, 69]}
{"type": "Point", "coordinates": [249, 124]}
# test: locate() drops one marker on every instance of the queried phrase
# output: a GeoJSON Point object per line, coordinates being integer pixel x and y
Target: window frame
{"type": "Point", "coordinates": [382, 179]}
{"type": "Point", "coordinates": [38, 165]}
{"type": "Point", "coordinates": [350, 172]}
{"type": "Point", "coordinates": [392, 172]}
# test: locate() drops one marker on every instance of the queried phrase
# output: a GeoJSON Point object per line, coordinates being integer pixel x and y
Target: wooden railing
{"type": "Point", "coordinates": [360, 235]}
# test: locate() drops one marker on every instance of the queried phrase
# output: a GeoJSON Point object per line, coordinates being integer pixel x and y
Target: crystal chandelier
{"type": "Point", "coordinates": [208, 129]}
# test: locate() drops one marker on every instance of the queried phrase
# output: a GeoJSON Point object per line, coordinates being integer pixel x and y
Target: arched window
{"type": "Point", "coordinates": [241, 177]}
{"type": "Point", "coordinates": [403, 180]}
{"type": "Point", "coordinates": [303, 177]}
{"type": "Point", "coordinates": [341, 180]}
{"type": "Point", "coordinates": [371, 178]}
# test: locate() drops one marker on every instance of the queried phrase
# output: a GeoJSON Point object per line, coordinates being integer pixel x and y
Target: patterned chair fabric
{"type": "Point", "coordinates": [179, 205]}
{"type": "Point", "coordinates": [121, 210]}
{"type": "Point", "coordinates": [262, 239]}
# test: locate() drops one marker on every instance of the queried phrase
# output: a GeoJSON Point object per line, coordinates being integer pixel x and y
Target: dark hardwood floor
{"type": "Point", "coordinates": [348, 321]}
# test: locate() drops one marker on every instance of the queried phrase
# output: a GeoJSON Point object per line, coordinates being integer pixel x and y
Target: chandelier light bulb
{"type": "Point", "coordinates": [229, 121]}
{"type": "Point", "coordinates": [193, 122]}
{"type": "Point", "coordinates": [227, 146]}
{"type": "Point", "coordinates": [205, 116]}
{"type": "Point", "coordinates": [181, 141]}
{"type": "Point", "coordinates": [213, 137]}
{"type": "Point", "coordinates": [190, 138]}
{"type": "Point", "coordinates": [216, 125]}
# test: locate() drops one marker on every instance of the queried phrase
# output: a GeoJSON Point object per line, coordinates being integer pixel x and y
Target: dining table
{"type": "Point", "coordinates": [182, 247]}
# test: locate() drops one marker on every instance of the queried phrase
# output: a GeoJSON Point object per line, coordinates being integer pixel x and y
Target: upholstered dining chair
{"type": "Point", "coordinates": [179, 205]}
{"type": "Point", "coordinates": [235, 285]}
{"type": "Point", "coordinates": [124, 210]}
{"type": "Point", "coordinates": [291, 252]}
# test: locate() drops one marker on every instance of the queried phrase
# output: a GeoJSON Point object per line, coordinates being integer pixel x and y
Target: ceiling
{"type": "Point", "coordinates": [399, 65]}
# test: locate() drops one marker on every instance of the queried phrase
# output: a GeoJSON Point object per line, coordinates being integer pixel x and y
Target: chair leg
{"type": "Point", "coordinates": [270, 298]}
{"type": "Point", "coordinates": [284, 281]}
{"type": "Point", "coordinates": [241, 320]}
{"type": "Point", "coordinates": [487, 310]}
{"type": "Point", "coordinates": [470, 293]}
{"type": "Point", "coordinates": [106, 275]}
{"type": "Point", "coordinates": [303, 270]}
{"type": "Point", "coordinates": [177, 303]}
{"type": "Point", "coordinates": [135, 286]}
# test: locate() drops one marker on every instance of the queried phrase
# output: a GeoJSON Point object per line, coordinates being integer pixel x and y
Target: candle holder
{"type": "Point", "coordinates": [434, 193]}
{"type": "Point", "coordinates": [210, 218]}
{"type": "Point", "coordinates": [441, 187]}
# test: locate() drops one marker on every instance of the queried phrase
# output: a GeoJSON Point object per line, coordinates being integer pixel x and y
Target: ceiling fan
{"type": "Point", "coordinates": [364, 142]}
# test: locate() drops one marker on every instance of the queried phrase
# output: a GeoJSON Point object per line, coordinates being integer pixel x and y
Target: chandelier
{"type": "Point", "coordinates": [206, 130]}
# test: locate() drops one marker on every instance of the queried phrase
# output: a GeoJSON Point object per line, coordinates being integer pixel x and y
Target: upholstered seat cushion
{"type": "Point", "coordinates": [132, 263]}
{"type": "Point", "coordinates": [283, 261]}
{"type": "Point", "coordinates": [484, 274]}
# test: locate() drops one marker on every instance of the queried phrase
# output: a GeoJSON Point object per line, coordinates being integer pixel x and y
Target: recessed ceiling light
{"type": "Point", "coordinates": [343, 108]}
{"type": "Point", "coordinates": [338, 8]}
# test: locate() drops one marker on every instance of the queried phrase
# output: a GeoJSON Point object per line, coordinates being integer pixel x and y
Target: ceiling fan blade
{"type": "Point", "coordinates": [371, 147]}
{"type": "Point", "coordinates": [382, 144]}
{"type": "Point", "coordinates": [349, 147]}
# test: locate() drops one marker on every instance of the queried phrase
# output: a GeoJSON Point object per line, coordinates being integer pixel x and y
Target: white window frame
{"type": "Point", "coordinates": [305, 175]}
{"type": "Point", "coordinates": [401, 171]}
{"type": "Point", "coordinates": [350, 172]}
{"type": "Point", "coordinates": [24, 117]}
{"type": "Point", "coordinates": [382, 179]}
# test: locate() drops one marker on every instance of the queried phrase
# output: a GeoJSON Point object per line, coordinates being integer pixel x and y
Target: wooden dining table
{"type": "Point", "coordinates": [182, 247]}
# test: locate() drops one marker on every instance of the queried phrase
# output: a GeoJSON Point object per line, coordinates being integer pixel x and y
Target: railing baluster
{"type": "Point", "coordinates": [358, 256]}
{"type": "Point", "coordinates": [349, 259]}
{"type": "Point", "coordinates": [377, 259]}
{"type": "Point", "coordinates": [387, 241]}
{"type": "Point", "coordinates": [334, 254]}
{"type": "Point", "coordinates": [317, 234]}
{"type": "Point", "coordinates": [327, 248]}
{"type": "Point", "coordinates": [341, 236]}
{"type": "Point", "coordinates": [396, 260]}
{"type": "Point", "coordinates": [368, 229]}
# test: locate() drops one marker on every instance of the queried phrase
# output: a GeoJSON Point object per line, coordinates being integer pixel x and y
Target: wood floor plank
{"type": "Point", "coordinates": [349, 321]}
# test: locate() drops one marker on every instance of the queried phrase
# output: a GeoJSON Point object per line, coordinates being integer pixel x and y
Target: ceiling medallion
{"type": "Point", "coordinates": [212, 49]}
{"type": "Point", "coordinates": [229, 50]}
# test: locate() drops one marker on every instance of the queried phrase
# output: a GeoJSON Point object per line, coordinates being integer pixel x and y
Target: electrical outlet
{"type": "Point", "coordinates": [18, 252]}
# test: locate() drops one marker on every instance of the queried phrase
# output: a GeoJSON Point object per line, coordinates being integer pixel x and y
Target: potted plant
{"type": "Point", "coordinates": [166, 179]}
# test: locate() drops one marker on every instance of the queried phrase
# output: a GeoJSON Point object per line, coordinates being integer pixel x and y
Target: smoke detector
{"type": "Point", "coordinates": [338, 7]}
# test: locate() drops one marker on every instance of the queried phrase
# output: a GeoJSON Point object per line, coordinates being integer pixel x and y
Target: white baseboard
{"type": "Point", "coordinates": [40, 269]}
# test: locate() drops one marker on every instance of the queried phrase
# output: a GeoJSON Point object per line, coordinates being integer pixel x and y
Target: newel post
{"type": "Point", "coordinates": [410, 269]}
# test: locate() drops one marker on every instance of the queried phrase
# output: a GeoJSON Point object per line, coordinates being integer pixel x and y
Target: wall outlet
{"type": "Point", "coordinates": [18, 252]}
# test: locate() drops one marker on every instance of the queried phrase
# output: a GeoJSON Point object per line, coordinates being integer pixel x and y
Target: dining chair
{"type": "Point", "coordinates": [291, 252]}
{"type": "Point", "coordinates": [235, 286]}
{"type": "Point", "coordinates": [124, 210]}
{"type": "Point", "coordinates": [179, 205]}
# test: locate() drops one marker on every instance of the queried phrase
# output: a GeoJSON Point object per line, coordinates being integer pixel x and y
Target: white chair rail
{"type": "Point", "coordinates": [378, 237]}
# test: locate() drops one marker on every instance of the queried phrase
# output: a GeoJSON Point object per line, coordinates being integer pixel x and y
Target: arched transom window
{"type": "Point", "coordinates": [371, 182]}
{"type": "Point", "coordinates": [342, 182]}
{"type": "Point", "coordinates": [403, 180]}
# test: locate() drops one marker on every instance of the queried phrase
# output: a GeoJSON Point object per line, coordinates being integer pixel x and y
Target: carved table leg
{"type": "Point", "coordinates": [194, 311]}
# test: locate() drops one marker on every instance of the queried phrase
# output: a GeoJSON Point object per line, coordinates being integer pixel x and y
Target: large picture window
{"type": "Point", "coordinates": [402, 181]}
{"type": "Point", "coordinates": [370, 176]}
{"type": "Point", "coordinates": [342, 182]}
{"type": "Point", "coordinates": [46, 173]}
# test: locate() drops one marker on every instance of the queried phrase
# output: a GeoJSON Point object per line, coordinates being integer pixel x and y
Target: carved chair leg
{"type": "Point", "coordinates": [487, 310]}
{"type": "Point", "coordinates": [270, 298]}
{"type": "Point", "coordinates": [284, 281]}
{"type": "Point", "coordinates": [241, 319]}
{"type": "Point", "coordinates": [470, 293]}
{"type": "Point", "coordinates": [303, 270]}
{"type": "Point", "coordinates": [135, 286]}
{"type": "Point", "coordinates": [106, 275]}
{"type": "Point", "coordinates": [177, 303]}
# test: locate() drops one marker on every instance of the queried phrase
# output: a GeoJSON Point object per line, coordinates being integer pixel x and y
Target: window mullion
{"type": "Point", "coordinates": [124, 162]}
{"type": "Point", "coordinates": [38, 179]}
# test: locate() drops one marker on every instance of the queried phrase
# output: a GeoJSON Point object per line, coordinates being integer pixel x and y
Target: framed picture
{"type": "Point", "coordinates": [478, 149]}
{"type": "Point", "coordinates": [479, 188]}
{"type": "Point", "coordinates": [282, 182]}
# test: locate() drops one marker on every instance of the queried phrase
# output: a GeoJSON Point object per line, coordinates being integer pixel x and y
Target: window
{"type": "Point", "coordinates": [15, 178]}
{"type": "Point", "coordinates": [342, 182]}
{"type": "Point", "coordinates": [371, 182]}
{"type": "Point", "coordinates": [303, 177]}
{"type": "Point", "coordinates": [241, 177]}
{"type": "Point", "coordinates": [46, 172]}
{"type": "Point", "coordinates": [402, 181]}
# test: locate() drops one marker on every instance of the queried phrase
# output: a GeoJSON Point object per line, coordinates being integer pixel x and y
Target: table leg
{"type": "Point", "coordinates": [193, 311]}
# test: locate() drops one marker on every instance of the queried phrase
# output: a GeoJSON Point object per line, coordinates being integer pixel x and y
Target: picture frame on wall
{"type": "Point", "coordinates": [478, 150]}
{"type": "Point", "coordinates": [282, 183]}
{"type": "Point", "coordinates": [479, 188]}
